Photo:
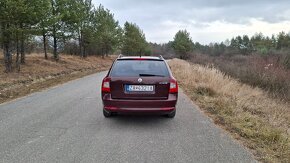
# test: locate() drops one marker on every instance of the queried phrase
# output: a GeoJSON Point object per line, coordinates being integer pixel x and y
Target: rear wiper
{"type": "Point", "coordinates": [150, 75]}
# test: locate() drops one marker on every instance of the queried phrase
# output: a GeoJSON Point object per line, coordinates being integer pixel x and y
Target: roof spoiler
{"type": "Point", "coordinates": [121, 55]}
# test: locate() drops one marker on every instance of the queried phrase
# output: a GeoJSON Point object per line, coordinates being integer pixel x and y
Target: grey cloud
{"type": "Point", "coordinates": [236, 11]}
{"type": "Point", "coordinates": [149, 14]}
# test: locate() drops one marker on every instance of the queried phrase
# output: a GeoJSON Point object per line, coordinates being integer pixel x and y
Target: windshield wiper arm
{"type": "Point", "coordinates": [150, 75]}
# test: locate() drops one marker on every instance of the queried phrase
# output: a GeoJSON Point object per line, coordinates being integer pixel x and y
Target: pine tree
{"type": "Point", "coordinates": [134, 41]}
{"type": "Point", "coordinates": [182, 44]}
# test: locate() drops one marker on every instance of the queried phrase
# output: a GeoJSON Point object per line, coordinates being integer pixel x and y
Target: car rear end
{"type": "Point", "coordinates": [139, 84]}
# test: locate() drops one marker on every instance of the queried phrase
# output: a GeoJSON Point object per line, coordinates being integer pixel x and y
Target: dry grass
{"type": "Point", "coordinates": [39, 73]}
{"type": "Point", "coordinates": [266, 72]}
{"type": "Point", "coordinates": [260, 122]}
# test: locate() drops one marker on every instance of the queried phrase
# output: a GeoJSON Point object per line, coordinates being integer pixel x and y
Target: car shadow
{"type": "Point", "coordinates": [140, 120]}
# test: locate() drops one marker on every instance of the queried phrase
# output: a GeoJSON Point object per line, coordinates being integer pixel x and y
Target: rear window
{"type": "Point", "coordinates": [136, 68]}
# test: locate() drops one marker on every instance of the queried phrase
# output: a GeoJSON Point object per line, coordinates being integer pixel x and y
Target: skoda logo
{"type": "Point", "coordinates": [140, 80]}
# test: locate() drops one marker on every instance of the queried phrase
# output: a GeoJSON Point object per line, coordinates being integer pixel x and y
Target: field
{"type": "Point", "coordinates": [38, 73]}
{"type": "Point", "coordinates": [259, 121]}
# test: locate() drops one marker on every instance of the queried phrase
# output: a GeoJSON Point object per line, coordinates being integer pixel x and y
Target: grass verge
{"type": "Point", "coordinates": [266, 72]}
{"type": "Point", "coordinates": [38, 74]}
{"type": "Point", "coordinates": [260, 122]}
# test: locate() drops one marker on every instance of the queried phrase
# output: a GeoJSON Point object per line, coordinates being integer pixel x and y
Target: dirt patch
{"type": "Point", "coordinates": [38, 73]}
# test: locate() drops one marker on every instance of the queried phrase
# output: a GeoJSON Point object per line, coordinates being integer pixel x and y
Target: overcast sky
{"type": "Point", "coordinates": [206, 20]}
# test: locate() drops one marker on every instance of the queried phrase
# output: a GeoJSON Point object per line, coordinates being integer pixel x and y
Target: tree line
{"type": "Point", "coordinates": [79, 28]}
{"type": "Point", "coordinates": [184, 47]}
{"type": "Point", "coordinates": [64, 26]}
{"type": "Point", "coordinates": [245, 45]}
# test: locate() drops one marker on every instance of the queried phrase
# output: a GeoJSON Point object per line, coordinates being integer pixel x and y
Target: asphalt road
{"type": "Point", "coordinates": [65, 124]}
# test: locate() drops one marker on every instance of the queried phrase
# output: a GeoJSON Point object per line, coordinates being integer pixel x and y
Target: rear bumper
{"type": "Point", "coordinates": [127, 105]}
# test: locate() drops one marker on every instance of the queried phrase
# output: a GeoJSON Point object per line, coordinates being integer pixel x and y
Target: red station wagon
{"type": "Point", "coordinates": [139, 85]}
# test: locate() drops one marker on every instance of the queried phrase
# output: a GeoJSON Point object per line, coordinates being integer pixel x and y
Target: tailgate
{"type": "Point", "coordinates": [151, 88]}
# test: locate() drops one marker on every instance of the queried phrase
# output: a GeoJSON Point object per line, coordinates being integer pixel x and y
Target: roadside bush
{"type": "Point", "coordinates": [286, 61]}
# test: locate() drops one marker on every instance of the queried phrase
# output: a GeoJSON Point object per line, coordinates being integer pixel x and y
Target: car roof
{"type": "Point", "coordinates": [140, 58]}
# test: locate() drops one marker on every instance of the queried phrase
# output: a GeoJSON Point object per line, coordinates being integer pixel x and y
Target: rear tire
{"type": "Point", "coordinates": [107, 113]}
{"type": "Point", "coordinates": [172, 114]}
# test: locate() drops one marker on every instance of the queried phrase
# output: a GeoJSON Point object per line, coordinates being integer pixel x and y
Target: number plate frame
{"type": "Point", "coordinates": [139, 88]}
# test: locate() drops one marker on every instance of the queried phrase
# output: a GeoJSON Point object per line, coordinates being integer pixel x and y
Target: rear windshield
{"type": "Point", "coordinates": [137, 68]}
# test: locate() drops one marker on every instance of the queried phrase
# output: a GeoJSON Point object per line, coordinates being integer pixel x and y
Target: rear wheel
{"type": "Point", "coordinates": [172, 114]}
{"type": "Point", "coordinates": [107, 113]}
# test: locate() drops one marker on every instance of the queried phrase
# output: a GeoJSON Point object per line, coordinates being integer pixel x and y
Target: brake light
{"type": "Point", "coordinates": [173, 86]}
{"type": "Point", "coordinates": [106, 85]}
{"type": "Point", "coordinates": [140, 59]}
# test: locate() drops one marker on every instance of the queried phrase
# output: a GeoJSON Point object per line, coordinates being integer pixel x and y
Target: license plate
{"type": "Point", "coordinates": [139, 88]}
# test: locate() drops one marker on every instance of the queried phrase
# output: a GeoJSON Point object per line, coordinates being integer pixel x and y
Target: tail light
{"type": "Point", "coordinates": [106, 85]}
{"type": "Point", "coordinates": [173, 86]}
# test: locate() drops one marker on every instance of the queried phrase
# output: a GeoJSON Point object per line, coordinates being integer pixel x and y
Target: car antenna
{"type": "Point", "coordinates": [140, 54]}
